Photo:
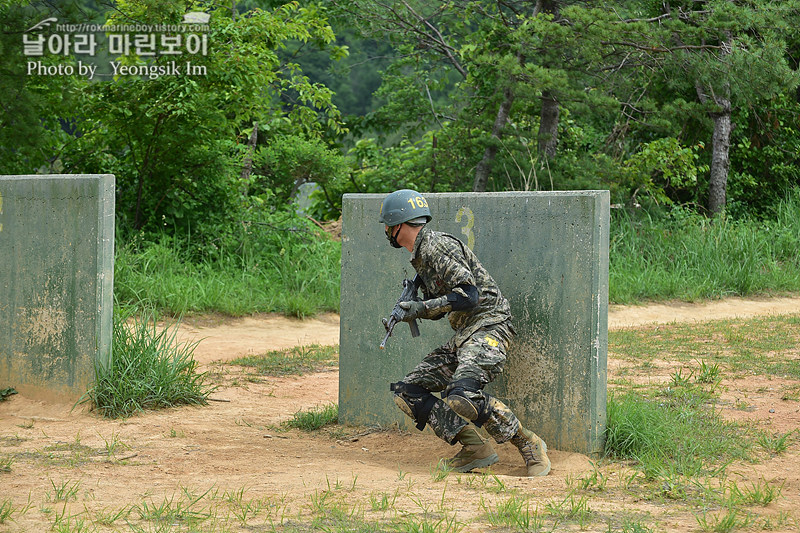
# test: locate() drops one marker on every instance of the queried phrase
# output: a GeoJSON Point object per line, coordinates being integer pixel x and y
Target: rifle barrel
{"type": "Point", "coordinates": [389, 327]}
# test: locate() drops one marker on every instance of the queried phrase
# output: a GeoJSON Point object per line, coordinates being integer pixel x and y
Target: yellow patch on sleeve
{"type": "Point", "coordinates": [491, 342]}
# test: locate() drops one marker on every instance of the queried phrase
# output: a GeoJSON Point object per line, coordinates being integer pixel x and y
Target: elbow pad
{"type": "Point", "coordinates": [463, 298]}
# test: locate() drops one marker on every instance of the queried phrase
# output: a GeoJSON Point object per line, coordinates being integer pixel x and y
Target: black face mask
{"type": "Point", "coordinates": [393, 238]}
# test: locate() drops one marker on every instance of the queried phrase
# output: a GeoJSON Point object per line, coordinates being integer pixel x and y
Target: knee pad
{"type": "Point", "coordinates": [405, 405]}
{"type": "Point", "coordinates": [414, 401]}
{"type": "Point", "coordinates": [468, 401]}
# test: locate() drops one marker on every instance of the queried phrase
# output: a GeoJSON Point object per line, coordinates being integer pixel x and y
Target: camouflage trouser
{"type": "Point", "coordinates": [481, 357]}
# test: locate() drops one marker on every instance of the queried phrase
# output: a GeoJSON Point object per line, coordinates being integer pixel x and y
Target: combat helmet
{"type": "Point", "coordinates": [405, 205]}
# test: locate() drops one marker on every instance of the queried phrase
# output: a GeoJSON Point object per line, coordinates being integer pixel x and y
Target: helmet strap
{"type": "Point", "coordinates": [393, 237]}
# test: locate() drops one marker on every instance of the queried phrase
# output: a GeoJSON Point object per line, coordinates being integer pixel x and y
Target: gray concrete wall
{"type": "Point", "coordinates": [549, 254]}
{"type": "Point", "coordinates": [56, 282]}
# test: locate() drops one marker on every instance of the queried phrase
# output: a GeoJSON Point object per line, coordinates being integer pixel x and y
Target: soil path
{"type": "Point", "coordinates": [225, 339]}
{"type": "Point", "coordinates": [235, 445]}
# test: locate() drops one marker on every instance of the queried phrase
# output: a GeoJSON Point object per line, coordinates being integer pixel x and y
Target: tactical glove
{"type": "Point", "coordinates": [414, 309]}
{"type": "Point", "coordinates": [424, 309]}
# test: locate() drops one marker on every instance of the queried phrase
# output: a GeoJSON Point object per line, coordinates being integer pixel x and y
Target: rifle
{"type": "Point", "coordinates": [410, 287]}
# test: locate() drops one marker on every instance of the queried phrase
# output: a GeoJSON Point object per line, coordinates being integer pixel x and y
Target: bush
{"type": "Point", "coordinates": [291, 160]}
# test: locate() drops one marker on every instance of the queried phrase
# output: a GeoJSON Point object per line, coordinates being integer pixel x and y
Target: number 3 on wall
{"type": "Point", "coordinates": [467, 229]}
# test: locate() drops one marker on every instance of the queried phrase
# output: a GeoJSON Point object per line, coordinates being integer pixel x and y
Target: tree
{"type": "Point", "coordinates": [34, 110]}
{"type": "Point", "coordinates": [178, 143]}
{"type": "Point", "coordinates": [486, 44]}
{"type": "Point", "coordinates": [727, 55]}
{"type": "Point", "coordinates": [507, 70]}
{"type": "Point", "coordinates": [765, 155]}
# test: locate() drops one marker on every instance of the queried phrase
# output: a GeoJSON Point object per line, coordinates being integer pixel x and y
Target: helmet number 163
{"type": "Point", "coordinates": [418, 201]}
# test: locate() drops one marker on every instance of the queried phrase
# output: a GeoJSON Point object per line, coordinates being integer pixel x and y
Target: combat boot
{"type": "Point", "coordinates": [533, 450]}
{"type": "Point", "coordinates": [475, 452]}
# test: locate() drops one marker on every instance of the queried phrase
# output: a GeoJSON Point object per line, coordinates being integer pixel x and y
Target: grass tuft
{"type": "Point", "coordinates": [670, 439]}
{"type": "Point", "coordinates": [775, 443]}
{"type": "Point", "coordinates": [6, 511]}
{"type": "Point", "coordinates": [149, 369]}
{"type": "Point", "coordinates": [314, 419]}
{"type": "Point", "coordinates": [514, 512]}
{"type": "Point", "coordinates": [297, 360]}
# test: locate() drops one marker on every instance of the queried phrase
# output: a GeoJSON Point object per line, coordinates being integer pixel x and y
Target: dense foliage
{"type": "Point", "coordinates": [673, 254]}
{"type": "Point", "coordinates": [643, 98]}
{"type": "Point", "coordinates": [690, 109]}
{"type": "Point", "coordinates": [284, 264]}
{"type": "Point", "coordinates": [684, 256]}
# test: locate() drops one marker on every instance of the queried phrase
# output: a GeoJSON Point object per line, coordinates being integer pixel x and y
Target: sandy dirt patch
{"type": "Point", "coordinates": [231, 457]}
{"type": "Point", "coordinates": [621, 316]}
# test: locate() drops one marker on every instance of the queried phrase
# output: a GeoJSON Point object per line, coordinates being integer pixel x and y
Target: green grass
{"type": "Point", "coordinates": [688, 262]}
{"type": "Point", "coordinates": [515, 513]}
{"type": "Point", "coordinates": [149, 369]}
{"type": "Point", "coordinates": [297, 360]}
{"type": "Point", "coordinates": [289, 270]}
{"type": "Point", "coordinates": [674, 432]}
{"type": "Point", "coordinates": [64, 491]}
{"type": "Point", "coordinates": [671, 438]}
{"type": "Point", "coordinates": [742, 346]}
{"type": "Point", "coordinates": [314, 419]}
{"type": "Point", "coordinates": [685, 256]}
{"type": "Point", "coordinates": [8, 510]}
{"type": "Point", "coordinates": [775, 443]}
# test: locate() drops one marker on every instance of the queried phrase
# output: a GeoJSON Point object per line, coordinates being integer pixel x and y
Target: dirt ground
{"type": "Point", "coordinates": [229, 466]}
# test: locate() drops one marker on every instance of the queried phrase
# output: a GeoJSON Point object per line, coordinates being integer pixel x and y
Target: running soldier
{"type": "Point", "coordinates": [456, 284]}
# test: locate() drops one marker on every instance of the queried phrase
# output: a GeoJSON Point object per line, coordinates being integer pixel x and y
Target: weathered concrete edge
{"type": "Point", "coordinates": [105, 267]}
{"type": "Point", "coordinates": [599, 365]}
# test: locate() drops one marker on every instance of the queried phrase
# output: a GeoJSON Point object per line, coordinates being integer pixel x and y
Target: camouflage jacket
{"type": "Point", "coordinates": [444, 262]}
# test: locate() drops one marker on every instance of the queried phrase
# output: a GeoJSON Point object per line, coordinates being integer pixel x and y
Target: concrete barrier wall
{"type": "Point", "coordinates": [549, 254]}
{"type": "Point", "coordinates": [56, 282]}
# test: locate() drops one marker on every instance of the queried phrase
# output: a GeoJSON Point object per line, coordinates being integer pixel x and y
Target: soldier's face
{"type": "Point", "coordinates": [391, 236]}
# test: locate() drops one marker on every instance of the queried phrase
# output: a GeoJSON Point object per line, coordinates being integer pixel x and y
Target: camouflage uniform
{"type": "Point", "coordinates": [482, 334]}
